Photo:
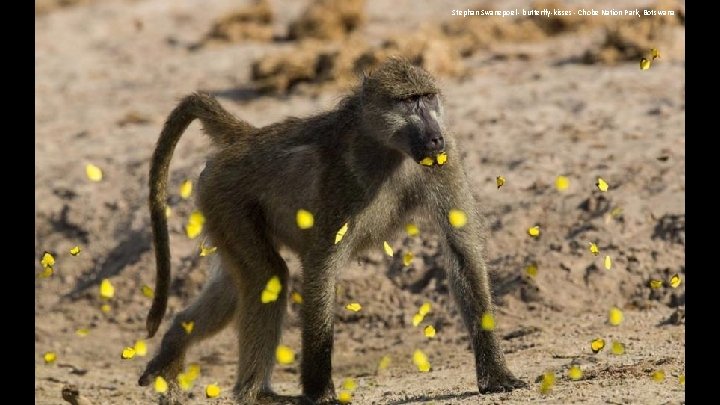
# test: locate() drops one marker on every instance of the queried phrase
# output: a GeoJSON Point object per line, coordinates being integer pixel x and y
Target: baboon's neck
{"type": "Point", "coordinates": [371, 161]}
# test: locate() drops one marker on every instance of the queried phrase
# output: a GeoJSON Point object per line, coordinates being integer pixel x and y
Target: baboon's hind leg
{"type": "Point", "coordinates": [259, 324]}
{"type": "Point", "coordinates": [209, 313]}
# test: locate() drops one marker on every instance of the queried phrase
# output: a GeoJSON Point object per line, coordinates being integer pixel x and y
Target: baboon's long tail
{"type": "Point", "coordinates": [222, 127]}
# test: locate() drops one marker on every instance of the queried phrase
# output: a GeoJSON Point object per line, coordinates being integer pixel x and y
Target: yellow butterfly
{"type": "Point", "coordinates": [93, 172]}
{"type": "Point", "coordinates": [388, 249]}
{"type": "Point", "coordinates": [531, 270]}
{"type": "Point", "coordinates": [384, 362]}
{"type": "Point", "coordinates": [429, 331]}
{"type": "Point", "coordinates": [272, 290]}
{"type": "Point", "coordinates": [344, 397]}
{"type": "Point", "coordinates": [186, 189]}
{"type": "Point", "coordinates": [487, 322]}
{"type": "Point", "coordinates": [597, 345]}
{"type": "Point", "coordinates": [675, 281]}
{"type": "Point", "coordinates": [212, 390]}
{"type": "Point", "coordinates": [196, 217]}
{"type": "Point", "coordinates": [607, 262]}
{"type": "Point", "coordinates": [417, 319]}
{"type": "Point", "coordinates": [268, 297]}
{"type": "Point", "coordinates": [187, 379]}
{"type": "Point", "coordinates": [656, 284]}
{"type": "Point", "coordinates": [161, 386]}
{"type": "Point", "coordinates": [644, 64]}
{"type": "Point", "coordinates": [49, 357]}
{"type": "Point", "coordinates": [412, 229]}
{"type": "Point", "coordinates": [547, 382]}
{"type": "Point", "coordinates": [284, 355]}
{"type": "Point", "coordinates": [106, 308]}
{"type": "Point", "coordinates": [457, 218]}
{"type": "Point", "coordinates": [349, 384]}
{"type": "Point", "coordinates": [107, 290]}
{"type": "Point", "coordinates": [127, 353]}
{"type": "Point", "coordinates": [425, 308]}
{"type": "Point", "coordinates": [188, 326]}
{"type": "Point", "coordinates": [353, 306]}
{"type": "Point", "coordinates": [47, 272]}
{"type": "Point", "coordinates": [194, 225]}
{"type": "Point", "coordinates": [296, 297]}
{"type": "Point", "coordinates": [658, 375]}
{"type": "Point", "coordinates": [500, 181]}
{"type": "Point", "coordinates": [534, 231]}
{"type": "Point", "coordinates": [654, 53]}
{"type": "Point", "coordinates": [47, 260]}
{"type": "Point", "coordinates": [75, 251]}
{"type": "Point", "coordinates": [594, 249]}
{"type": "Point", "coordinates": [602, 185]}
{"type": "Point", "coordinates": [82, 332]}
{"type": "Point", "coordinates": [618, 348]}
{"type": "Point", "coordinates": [304, 219]}
{"type": "Point", "coordinates": [147, 291]}
{"type": "Point", "coordinates": [341, 233]}
{"type": "Point", "coordinates": [615, 316]}
{"type": "Point", "coordinates": [207, 250]}
{"type": "Point", "coordinates": [184, 382]}
{"type": "Point", "coordinates": [407, 259]}
{"type": "Point", "coordinates": [428, 161]}
{"type": "Point", "coordinates": [441, 158]}
{"type": "Point", "coordinates": [274, 284]}
{"type": "Point", "coordinates": [140, 348]}
{"type": "Point", "coordinates": [421, 361]}
{"type": "Point", "coordinates": [575, 373]}
{"type": "Point", "coordinates": [193, 371]}
{"type": "Point", "coordinates": [562, 183]}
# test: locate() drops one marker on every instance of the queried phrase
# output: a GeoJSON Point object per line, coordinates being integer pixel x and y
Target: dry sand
{"type": "Point", "coordinates": [109, 71]}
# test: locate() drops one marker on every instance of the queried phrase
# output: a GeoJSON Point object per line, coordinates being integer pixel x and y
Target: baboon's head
{"type": "Point", "coordinates": [401, 106]}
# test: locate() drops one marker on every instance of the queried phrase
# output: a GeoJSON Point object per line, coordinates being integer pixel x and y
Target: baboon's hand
{"type": "Point", "coordinates": [498, 381]}
{"type": "Point", "coordinates": [165, 364]}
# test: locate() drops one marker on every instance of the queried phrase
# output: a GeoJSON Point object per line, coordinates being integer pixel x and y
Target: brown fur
{"type": "Point", "coordinates": [356, 164]}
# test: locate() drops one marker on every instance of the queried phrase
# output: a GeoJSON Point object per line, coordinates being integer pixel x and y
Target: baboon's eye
{"type": "Point", "coordinates": [412, 100]}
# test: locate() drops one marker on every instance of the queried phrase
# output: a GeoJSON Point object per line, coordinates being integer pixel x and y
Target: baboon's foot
{"type": "Point", "coordinates": [250, 393]}
{"type": "Point", "coordinates": [501, 380]}
{"type": "Point", "coordinates": [326, 398]}
{"type": "Point", "coordinates": [165, 364]}
{"type": "Point", "coordinates": [266, 397]}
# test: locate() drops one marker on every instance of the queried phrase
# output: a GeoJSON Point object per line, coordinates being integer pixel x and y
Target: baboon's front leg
{"type": "Point", "coordinates": [470, 287]}
{"type": "Point", "coordinates": [317, 330]}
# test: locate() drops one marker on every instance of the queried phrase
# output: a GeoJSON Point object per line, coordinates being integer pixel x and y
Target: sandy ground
{"type": "Point", "coordinates": [107, 74]}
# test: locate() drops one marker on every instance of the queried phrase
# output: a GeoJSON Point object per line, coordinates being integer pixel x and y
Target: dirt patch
{"type": "Point", "coordinates": [328, 20]}
{"type": "Point", "coordinates": [250, 23]}
{"type": "Point", "coordinates": [281, 72]}
{"type": "Point", "coordinates": [341, 64]}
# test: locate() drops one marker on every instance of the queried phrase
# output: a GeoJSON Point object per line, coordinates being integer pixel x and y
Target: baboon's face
{"type": "Point", "coordinates": [414, 125]}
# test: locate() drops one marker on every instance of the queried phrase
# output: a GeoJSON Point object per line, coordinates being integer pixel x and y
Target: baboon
{"type": "Point", "coordinates": [357, 164]}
